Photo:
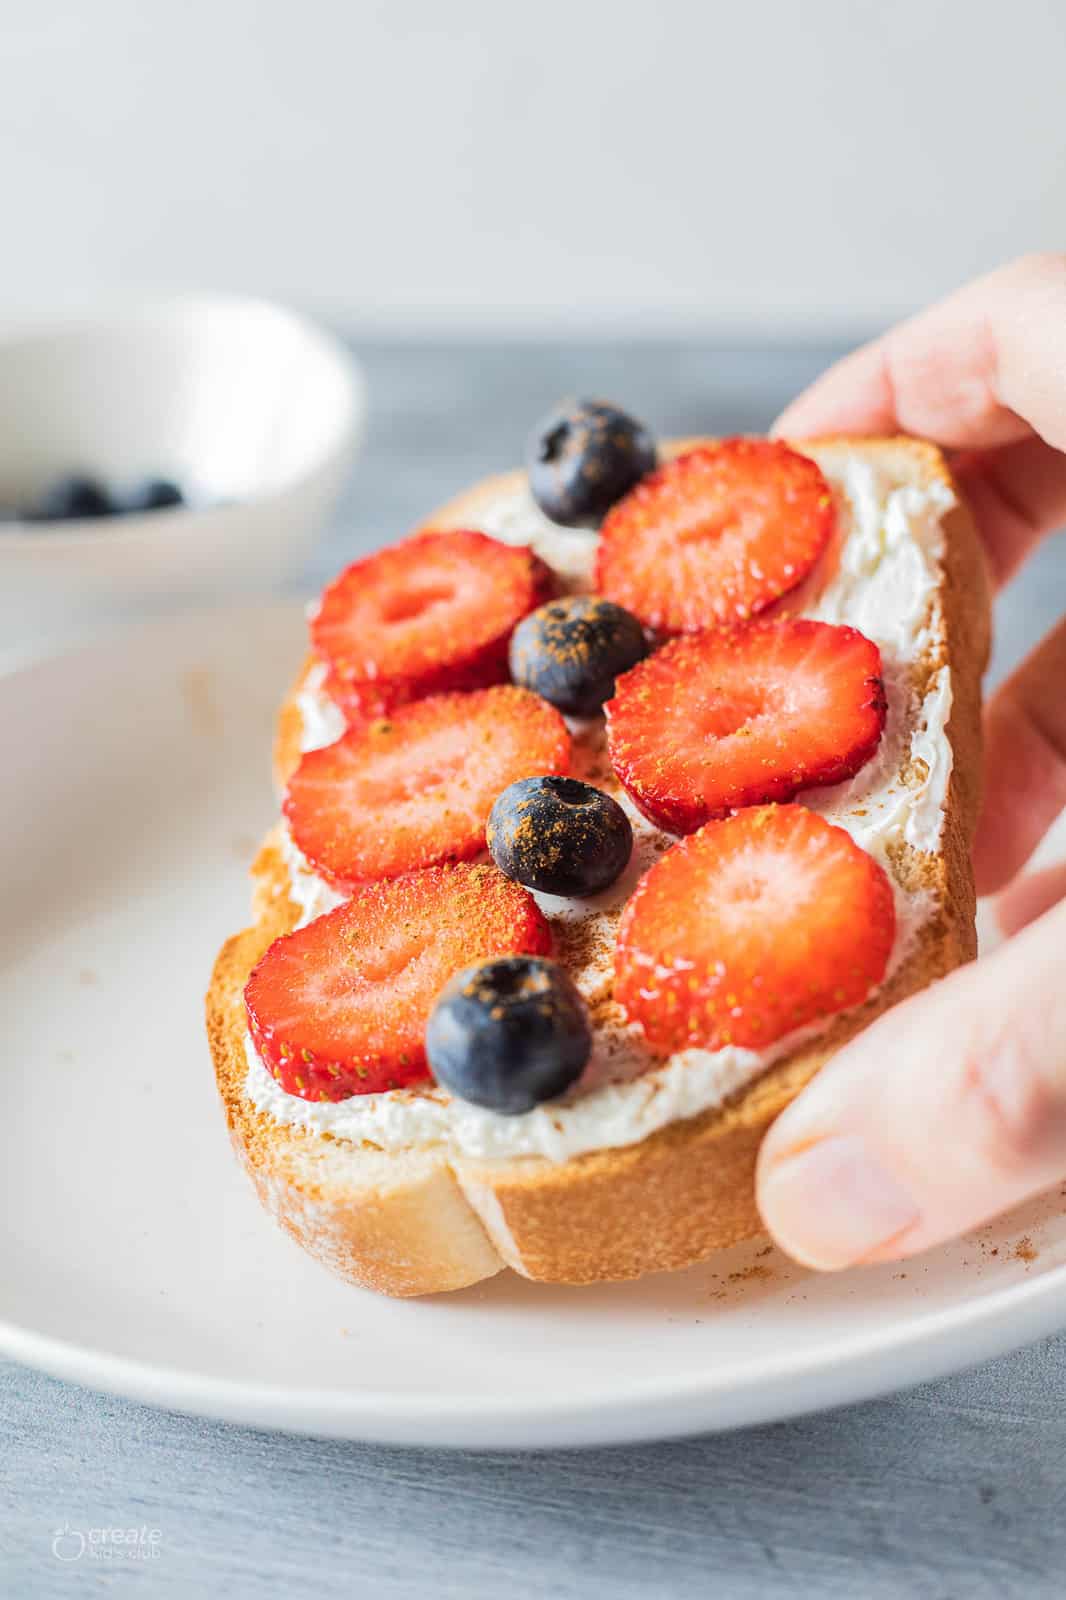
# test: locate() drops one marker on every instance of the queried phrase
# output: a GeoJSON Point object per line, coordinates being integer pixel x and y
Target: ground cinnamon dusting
{"type": "Point", "coordinates": [751, 1274]}
{"type": "Point", "coordinates": [587, 948]}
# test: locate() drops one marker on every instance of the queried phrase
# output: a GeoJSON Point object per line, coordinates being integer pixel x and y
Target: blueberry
{"type": "Point", "coordinates": [509, 1034]}
{"type": "Point", "coordinates": [559, 836]}
{"type": "Point", "coordinates": [584, 457]}
{"type": "Point", "coordinates": [77, 495]}
{"type": "Point", "coordinates": [155, 494]}
{"type": "Point", "coordinates": [570, 651]}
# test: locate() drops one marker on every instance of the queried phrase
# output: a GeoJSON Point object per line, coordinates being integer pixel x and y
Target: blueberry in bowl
{"type": "Point", "coordinates": [508, 1034]}
{"type": "Point", "coordinates": [79, 495]}
{"type": "Point", "coordinates": [583, 457]}
{"type": "Point", "coordinates": [154, 494]}
{"type": "Point", "coordinates": [560, 836]}
{"type": "Point", "coordinates": [73, 496]}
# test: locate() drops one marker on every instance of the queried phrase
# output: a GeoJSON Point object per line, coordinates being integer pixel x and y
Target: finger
{"type": "Point", "coordinates": [948, 1110]}
{"type": "Point", "coordinates": [1029, 897]}
{"type": "Point", "coordinates": [1024, 763]}
{"type": "Point", "coordinates": [1016, 494]}
{"type": "Point", "coordinates": [980, 369]}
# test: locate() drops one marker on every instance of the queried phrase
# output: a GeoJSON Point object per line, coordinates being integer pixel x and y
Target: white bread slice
{"type": "Point", "coordinates": [421, 1221]}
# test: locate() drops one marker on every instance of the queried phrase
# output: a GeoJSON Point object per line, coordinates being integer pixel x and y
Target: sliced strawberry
{"type": "Point", "coordinates": [340, 1007]}
{"type": "Point", "coordinates": [751, 928]}
{"type": "Point", "coordinates": [433, 613]}
{"type": "Point", "coordinates": [416, 789]}
{"type": "Point", "coordinates": [715, 535]}
{"type": "Point", "coordinates": [743, 715]}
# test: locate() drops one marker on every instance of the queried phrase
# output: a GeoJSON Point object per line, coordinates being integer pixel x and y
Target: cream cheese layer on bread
{"type": "Point", "coordinates": [882, 574]}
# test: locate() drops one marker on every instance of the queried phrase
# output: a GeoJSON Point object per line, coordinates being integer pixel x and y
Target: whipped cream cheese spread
{"type": "Point", "coordinates": [881, 574]}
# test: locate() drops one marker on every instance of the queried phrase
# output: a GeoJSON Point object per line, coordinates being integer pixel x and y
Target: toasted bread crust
{"type": "Point", "coordinates": [422, 1222]}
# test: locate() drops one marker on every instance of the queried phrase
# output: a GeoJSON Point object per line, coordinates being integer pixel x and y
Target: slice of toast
{"type": "Point", "coordinates": [424, 1219]}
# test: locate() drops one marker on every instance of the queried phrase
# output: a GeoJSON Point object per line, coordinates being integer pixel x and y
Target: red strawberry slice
{"type": "Point", "coordinates": [754, 926]}
{"type": "Point", "coordinates": [340, 1007]}
{"type": "Point", "coordinates": [433, 613]}
{"type": "Point", "coordinates": [715, 535]}
{"type": "Point", "coordinates": [743, 715]}
{"type": "Point", "coordinates": [396, 795]}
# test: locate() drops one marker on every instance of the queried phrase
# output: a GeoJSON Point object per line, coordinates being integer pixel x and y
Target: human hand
{"type": "Point", "coordinates": [952, 1106]}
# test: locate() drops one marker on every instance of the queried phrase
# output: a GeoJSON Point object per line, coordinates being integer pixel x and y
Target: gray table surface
{"type": "Point", "coordinates": [955, 1489]}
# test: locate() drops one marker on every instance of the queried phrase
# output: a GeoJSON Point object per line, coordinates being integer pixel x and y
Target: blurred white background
{"type": "Point", "coordinates": [414, 165]}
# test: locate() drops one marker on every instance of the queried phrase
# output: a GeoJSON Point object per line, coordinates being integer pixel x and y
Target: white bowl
{"type": "Point", "coordinates": [252, 409]}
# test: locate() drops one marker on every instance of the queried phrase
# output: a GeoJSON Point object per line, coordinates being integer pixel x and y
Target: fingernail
{"type": "Point", "coordinates": [833, 1205]}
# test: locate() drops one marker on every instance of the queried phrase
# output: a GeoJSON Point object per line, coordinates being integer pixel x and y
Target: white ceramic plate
{"type": "Point", "coordinates": [133, 1255]}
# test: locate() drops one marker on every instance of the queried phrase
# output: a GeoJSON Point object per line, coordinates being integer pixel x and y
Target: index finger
{"type": "Point", "coordinates": [985, 367]}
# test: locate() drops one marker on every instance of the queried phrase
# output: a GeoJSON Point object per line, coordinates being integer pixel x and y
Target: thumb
{"type": "Point", "coordinates": [947, 1110]}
